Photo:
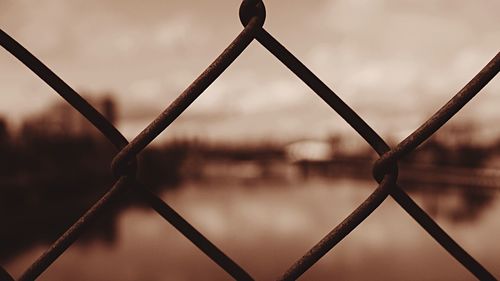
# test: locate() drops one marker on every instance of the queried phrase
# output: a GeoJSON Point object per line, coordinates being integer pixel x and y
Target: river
{"type": "Point", "coordinates": [266, 225]}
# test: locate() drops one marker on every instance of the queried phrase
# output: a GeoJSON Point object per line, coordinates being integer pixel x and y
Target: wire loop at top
{"type": "Point", "coordinates": [250, 9]}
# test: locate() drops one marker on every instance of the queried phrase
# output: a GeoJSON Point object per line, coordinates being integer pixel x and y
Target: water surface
{"type": "Point", "coordinates": [266, 225]}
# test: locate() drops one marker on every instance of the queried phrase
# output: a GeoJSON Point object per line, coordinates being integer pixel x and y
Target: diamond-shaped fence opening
{"type": "Point", "coordinates": [124, 165]}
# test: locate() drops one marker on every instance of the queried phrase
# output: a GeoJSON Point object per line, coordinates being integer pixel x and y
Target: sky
{"type": "Point", "coordinates": [395, 62]}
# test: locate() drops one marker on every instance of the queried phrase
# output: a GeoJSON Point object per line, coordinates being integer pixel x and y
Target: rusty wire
{"type": "Point", "coordinates": [386, 164]}
{"type": "Point", "coordinates": [252, 14]}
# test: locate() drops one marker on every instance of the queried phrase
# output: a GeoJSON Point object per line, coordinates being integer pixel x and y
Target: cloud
{"type": "Point", "coordinates": [394, 62]}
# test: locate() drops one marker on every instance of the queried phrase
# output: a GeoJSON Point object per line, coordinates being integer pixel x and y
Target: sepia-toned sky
{"type": "Point", "coordinates": [394, 61]}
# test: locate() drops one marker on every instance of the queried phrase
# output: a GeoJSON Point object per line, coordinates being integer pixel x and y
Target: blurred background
{"type": "Point", "coordinates": [258, 163]}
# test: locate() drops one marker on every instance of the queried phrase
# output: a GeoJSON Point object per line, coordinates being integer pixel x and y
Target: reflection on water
{"type": "Point", "coordinates": [266, 225]}
{"type": "Point", "coordinates": [264, 204]}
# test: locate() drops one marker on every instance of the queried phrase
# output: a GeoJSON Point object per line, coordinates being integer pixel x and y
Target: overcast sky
{"type": "Point", "coordinates": [394, 61]}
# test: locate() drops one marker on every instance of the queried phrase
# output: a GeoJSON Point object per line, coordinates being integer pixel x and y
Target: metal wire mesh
{"type": "Point", "coordinates": [252, 15]}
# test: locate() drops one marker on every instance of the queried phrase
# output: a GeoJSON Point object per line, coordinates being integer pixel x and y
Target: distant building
{"type": "Point", "coordinates": [61, 120]}
{"type": "Point", "coordinates": [4, 132]}
{"type": "Point", "coordinates": [456, 135]}
{"type": "Point", "coordinates": [325, 150]}
{"type": "Point", "coordinates": [309, 150]}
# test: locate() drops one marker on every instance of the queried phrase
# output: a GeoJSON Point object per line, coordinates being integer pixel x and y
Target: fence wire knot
{"type": "Point", "coordinates": [250, 9]}
{"type": "Point", "coordinates": [382, 167]}
{"type": "Point", "coordinates": [125, 168]}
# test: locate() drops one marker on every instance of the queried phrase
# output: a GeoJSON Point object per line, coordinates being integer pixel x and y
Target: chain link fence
{"type": "Point", "coordinates": [385, 170]}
